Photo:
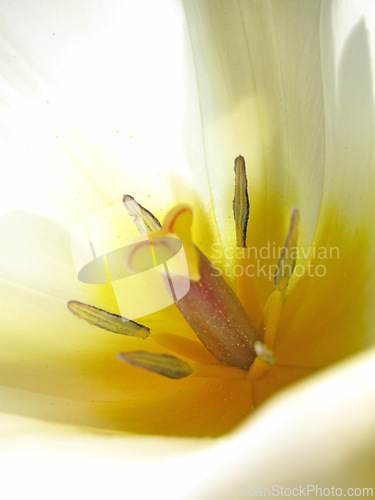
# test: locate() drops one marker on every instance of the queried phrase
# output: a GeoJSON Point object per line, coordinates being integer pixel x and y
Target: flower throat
{"type": "Point", "coordinates": [210, 307]}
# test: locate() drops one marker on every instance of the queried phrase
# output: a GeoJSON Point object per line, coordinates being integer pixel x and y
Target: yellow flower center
{"type": "Point", "coordinates": [241, 346]}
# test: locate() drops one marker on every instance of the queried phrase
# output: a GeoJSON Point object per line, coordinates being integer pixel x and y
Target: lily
{"type": "Point", "coordinates": [275, 84]}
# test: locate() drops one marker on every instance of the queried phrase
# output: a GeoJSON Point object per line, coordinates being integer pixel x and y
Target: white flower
{"type": "Point", "coordinates": [89, 102]}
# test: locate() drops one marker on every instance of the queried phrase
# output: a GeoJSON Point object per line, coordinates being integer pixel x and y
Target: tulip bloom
{"type": "Point", "coordinates": [288, 85]}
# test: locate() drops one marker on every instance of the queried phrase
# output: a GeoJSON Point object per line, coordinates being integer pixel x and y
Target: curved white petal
{"type": "Point", "coordinates": [93, 97]}
{"type": "Point", "coordinates": [294, 440]}
{"type": "Point", "coordinates": [332, 415]}
{"type": "Point", "coordinates": [319, 433]}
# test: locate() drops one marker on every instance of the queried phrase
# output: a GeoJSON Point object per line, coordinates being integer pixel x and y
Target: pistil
{"type": "Point", "coordinates": [211, 308]}
{"type": "Point", "coordinates": [218, 318]}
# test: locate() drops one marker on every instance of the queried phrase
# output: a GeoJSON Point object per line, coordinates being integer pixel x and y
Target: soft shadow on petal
{"type": "Point", "coordinates": [335, 316]}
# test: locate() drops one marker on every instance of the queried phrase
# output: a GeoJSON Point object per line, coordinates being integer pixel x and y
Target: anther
{"type": "Point", "coordinates": [241, 206]}
{"type": "Point", "coordinates": [145, 221]}
{"type": "Point", "coordinates": [108, 321]}
{"type": "Point", "coordinates": [163, 364]}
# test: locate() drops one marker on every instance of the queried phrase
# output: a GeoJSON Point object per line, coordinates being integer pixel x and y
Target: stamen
{"type": "Point", "coordinates": [272, 311]}
{"type": "Point", "coordinates": [241, 206]}
{"type": "Point", "coordinates": [108, 321]}
{"type": "Point", "coordinates": [258, 370]}
{"type": "Point", "coordinates": [287, 260]}
{"type": "Point", "coordinates": [163, 364]}
{"type": "Point", "coordinates": [145, 221]}
{"type": "Point", "coordinates": [264, 353]}
{"type": "Point", "coordinates": [246, 289]}
{"type": "Point", "coordinates": [262, 364]}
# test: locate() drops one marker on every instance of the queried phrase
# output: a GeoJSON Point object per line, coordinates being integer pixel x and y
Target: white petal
{"type": "Point", "coordinates": [60, 462]}
{"type": "Point", "coordinates": [320, 432]}
{"type": "Point", "coordinates": [93, 98]}
{"type": "Point", "coordinates": [260, 90]}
